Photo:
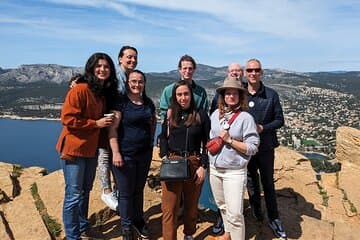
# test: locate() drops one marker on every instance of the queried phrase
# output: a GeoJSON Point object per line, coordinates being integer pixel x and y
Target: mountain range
{"type": "Point", "coordinates": [38, 89]}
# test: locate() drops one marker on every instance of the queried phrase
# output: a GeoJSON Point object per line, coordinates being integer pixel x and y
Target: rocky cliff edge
{"type": "Point", "coordinates": [325, 207]}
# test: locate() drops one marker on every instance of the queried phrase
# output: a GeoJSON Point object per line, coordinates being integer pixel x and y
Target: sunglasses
{"type": "Point", "coordinates": [250, 70]}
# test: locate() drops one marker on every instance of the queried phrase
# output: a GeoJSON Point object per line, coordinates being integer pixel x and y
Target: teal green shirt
{"type": "Point", "coordinates": [200, 97]}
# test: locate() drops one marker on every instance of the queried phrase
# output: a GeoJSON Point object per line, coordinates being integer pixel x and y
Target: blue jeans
{"type": "Point", "coordinates": [130, 183]}
{"type": "Point", "coordinates": [79, 176]}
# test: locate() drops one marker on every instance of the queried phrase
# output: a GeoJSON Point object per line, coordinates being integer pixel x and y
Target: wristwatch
{"type": "Point", "coordinates": [226, 126]}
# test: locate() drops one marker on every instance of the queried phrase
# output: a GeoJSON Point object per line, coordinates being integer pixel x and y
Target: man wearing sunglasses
{"type": "Point", "coordinates": [265, 107]}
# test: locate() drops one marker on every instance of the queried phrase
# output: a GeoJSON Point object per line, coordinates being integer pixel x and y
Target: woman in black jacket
{"type": "Point", "coordinates": [183, 117]}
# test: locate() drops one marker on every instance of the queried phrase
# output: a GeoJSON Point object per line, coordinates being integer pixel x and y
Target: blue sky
{"type": "Point", "coordinates": [297, 35]}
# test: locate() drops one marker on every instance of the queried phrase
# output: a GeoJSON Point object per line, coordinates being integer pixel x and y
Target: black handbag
{"type": "Point", "coordinates": [178, 168]}
{"type": "Point", "coordinates": [175, 170]}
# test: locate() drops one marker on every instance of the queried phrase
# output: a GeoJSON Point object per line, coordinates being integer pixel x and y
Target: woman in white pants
{"type": "Point", "coordinates": [228, 166]}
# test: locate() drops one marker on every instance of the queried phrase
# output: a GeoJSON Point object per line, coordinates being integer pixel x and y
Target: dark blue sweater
{"type": "Point", "coordinates": [134, 132]}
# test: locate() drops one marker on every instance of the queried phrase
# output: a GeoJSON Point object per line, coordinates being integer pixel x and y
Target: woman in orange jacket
{"type": "Point", "coordinates": [83, 116]}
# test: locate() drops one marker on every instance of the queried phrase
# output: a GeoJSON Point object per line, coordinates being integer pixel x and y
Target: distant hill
{"type": "Point", "coordinates": [37, 73]}
{"type": "Point", "coordinates": [25, 89]}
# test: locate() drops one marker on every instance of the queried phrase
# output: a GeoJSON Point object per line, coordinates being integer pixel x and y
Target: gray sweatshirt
{"type": "Point", "coordinates": [242, 129]}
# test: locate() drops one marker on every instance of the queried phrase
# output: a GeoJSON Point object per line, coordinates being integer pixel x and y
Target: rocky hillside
{"type": "Point", "coordinates": [32, 73]}
{"type": "Point", "coordinates": [38, 90]}
{"type": "Point", "coordinates": [325, 207]}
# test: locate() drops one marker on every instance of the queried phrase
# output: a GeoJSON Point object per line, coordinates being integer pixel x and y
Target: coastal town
{"type": "Point", "coordinates": [312, 116]}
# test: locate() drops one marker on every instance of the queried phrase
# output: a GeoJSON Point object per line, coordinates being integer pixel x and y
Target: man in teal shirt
{"type": "Point", "coordinates": [187, 67]}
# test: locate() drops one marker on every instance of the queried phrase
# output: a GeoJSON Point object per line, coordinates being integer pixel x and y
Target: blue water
{"type": "Point", "coordinates": [315, 156]}
{"type": "Point", "coordinates": [32, 143]}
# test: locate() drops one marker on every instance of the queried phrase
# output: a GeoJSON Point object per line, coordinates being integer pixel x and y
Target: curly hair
{"type": "Point", "coordinates": [223, 107]}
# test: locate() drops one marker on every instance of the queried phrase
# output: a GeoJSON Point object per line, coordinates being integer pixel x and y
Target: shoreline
{"type": "Point", "coordinates": [16, 117]}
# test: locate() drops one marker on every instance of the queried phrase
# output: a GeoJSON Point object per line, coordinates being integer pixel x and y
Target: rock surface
{"type": "Point", "coordinates": [348, 145]}
{"type": "Point", "coordinates": [306, 214]}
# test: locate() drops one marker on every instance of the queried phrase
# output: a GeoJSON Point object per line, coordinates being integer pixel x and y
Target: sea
{"type": "Point", "coordinates": [32, 143]}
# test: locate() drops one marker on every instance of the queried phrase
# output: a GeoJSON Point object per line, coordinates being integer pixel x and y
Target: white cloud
{"type": "Point", "coordinates": [66, 30]}
{"type": "Point", "coordinates": [279, 17]}
{"type": "Point", "coordinates": [279, 31]}
{"type": "Point", "coordinates": [115, 5]}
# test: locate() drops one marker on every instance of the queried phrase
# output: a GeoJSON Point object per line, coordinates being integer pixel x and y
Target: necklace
{"type": "Point", "coordinates": [183, 116]}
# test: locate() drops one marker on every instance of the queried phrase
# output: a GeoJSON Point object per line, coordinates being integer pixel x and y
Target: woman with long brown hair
{"type": "Point", "coordinates": [184, 133]}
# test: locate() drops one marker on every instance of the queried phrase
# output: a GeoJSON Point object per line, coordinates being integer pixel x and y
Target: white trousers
{"type": "Point", "coordinates": [228, 186]}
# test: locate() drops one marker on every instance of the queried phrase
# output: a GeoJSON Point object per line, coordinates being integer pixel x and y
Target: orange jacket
{"type": "Point", "coordinates": [80, 134]}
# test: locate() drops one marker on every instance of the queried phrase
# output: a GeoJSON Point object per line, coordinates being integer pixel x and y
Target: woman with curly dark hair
{"type": "Point", "coordinates": [83, 117]}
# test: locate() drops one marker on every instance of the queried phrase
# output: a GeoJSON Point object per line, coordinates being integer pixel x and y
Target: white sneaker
{"type": "Point", "coordinates": [110, 200]}
{"type": "Point", "coordinates": [188, 237]}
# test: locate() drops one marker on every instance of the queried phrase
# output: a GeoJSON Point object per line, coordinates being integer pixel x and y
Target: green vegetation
{"type": "Point", "coordinates": [15, 174]}
{"type": "Point", "coordinates": [345, 197]}
{"type": "Point", "coordinates": [352, 208]}
{"type": "Point", "coordinates": [53, 227]}
{"type": "Point", "coordinates": [324, 195]}
{"type": "Point", "coordinates": [310, 142]}
{"type": "Point", "coordinates": [17, 170]}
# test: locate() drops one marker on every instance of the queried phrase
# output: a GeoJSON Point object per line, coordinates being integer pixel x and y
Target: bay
{"type": "Point", "coordinates": [32, 143]}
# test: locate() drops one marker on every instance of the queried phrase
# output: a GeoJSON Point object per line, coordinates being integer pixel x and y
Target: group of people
{"type": "Point", "coordinates": [254, 152]}
{"type": "Point", "coordinates": [109, 123]}
{"type": "Point", "coordinates": [107, 117]}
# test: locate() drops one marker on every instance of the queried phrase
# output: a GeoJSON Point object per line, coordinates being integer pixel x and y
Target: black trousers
{"type": "Point", "coordinates": [262, 163]}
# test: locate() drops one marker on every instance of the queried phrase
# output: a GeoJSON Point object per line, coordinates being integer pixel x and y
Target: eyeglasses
{"type": "Point", "coordinates": [250, 70]}
{"type": "Point", "coordinates": [139, 82]}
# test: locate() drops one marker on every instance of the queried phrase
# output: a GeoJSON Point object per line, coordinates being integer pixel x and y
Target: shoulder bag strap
{"type": "Point", "coordinates": [232, 119]}
{"type": "Point", "coordinates": [187, 142]}
{"type": "Point", "coordinates": [168, 115]}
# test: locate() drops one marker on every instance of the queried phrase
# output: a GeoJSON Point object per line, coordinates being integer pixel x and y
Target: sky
{"type": "Point", "coordinates": [295, 35]}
